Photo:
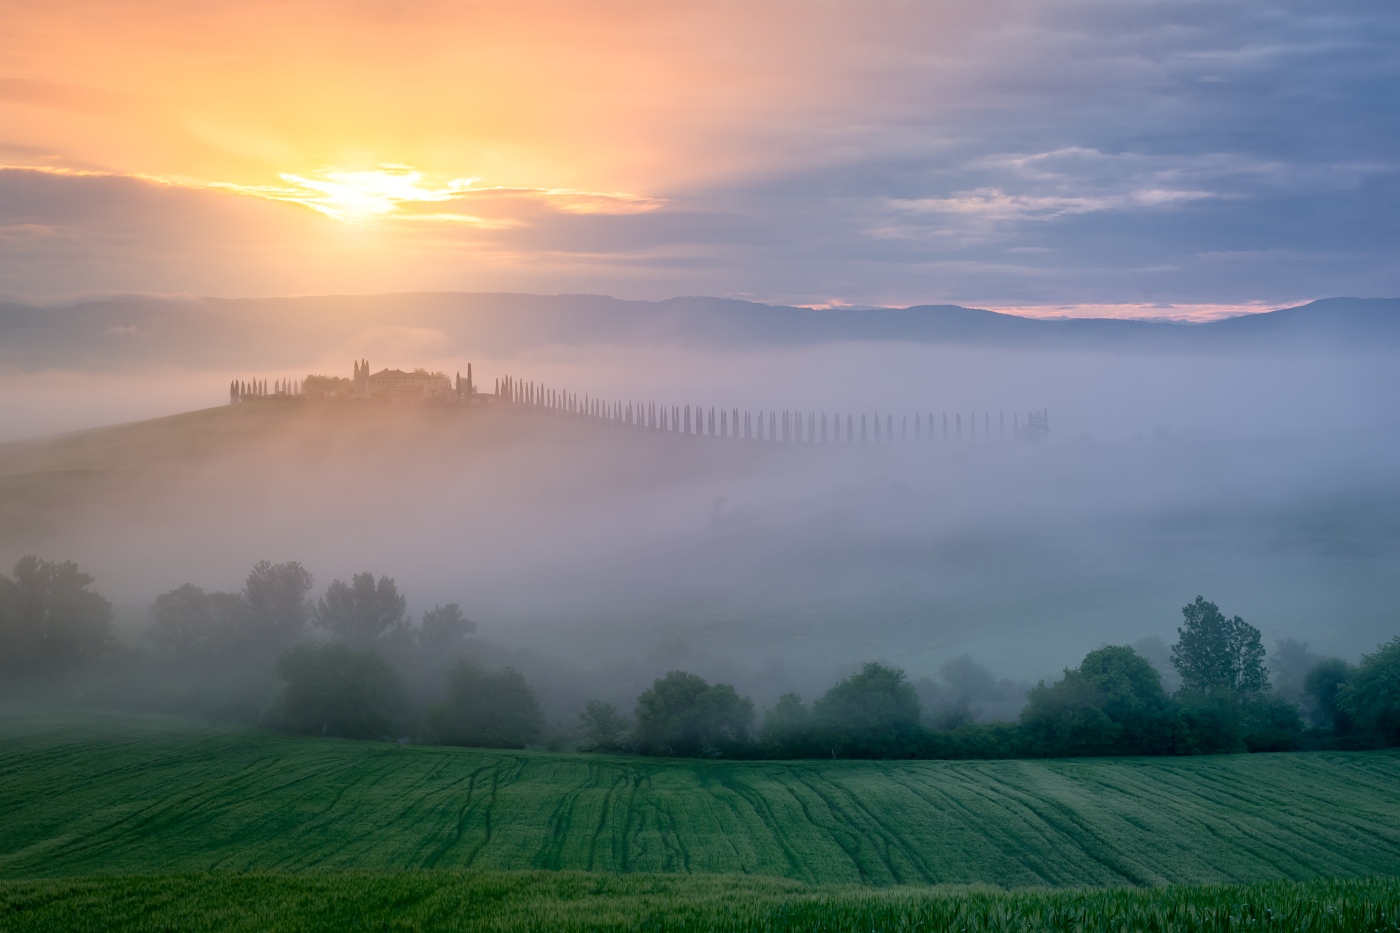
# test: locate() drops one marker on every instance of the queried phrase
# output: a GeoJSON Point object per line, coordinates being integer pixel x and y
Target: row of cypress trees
{"type": "Point", "coordinates": [784, 426]}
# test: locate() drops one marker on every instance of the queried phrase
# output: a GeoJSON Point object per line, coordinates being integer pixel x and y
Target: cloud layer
{"type": "Point", "coordinates": [1063, 153]}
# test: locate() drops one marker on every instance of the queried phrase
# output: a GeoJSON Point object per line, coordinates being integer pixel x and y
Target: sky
{"type": "Point", "coordinates": [1055, 157]}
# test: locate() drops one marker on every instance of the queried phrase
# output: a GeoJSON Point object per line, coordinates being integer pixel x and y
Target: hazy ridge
{"type": "Point", "coordinates": [128, 331]}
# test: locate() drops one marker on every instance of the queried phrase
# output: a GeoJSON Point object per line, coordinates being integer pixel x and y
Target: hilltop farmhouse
{"type": "Point", "coordinates": [399, 385]}
{"type": "Point", "coordinates": [420, 385]}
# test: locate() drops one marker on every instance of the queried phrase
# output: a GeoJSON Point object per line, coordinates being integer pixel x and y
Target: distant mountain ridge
{"type": "Point", "coordinates": [140, 330]}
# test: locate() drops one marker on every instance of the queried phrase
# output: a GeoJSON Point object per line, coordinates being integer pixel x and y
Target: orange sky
{"type": "Point", "coordinates": [610, 96]}
{"type": "Point", "coordinates": [803, 151]}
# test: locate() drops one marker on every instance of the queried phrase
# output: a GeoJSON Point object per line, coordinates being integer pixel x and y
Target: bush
{"type": "Point", "coordinates": [787, 729]}
{"type": "Point", "coordinates": [681, 714]}
{"type": "Point", "coordinates": [1372, 698]}
{"type": "Point", "coordinates": [1272, 725]}
{"type": "Point", "coordinates": [335, 690]}
{"type": "Point", "coordinates": [604, 728]}
{"type": "Point", "coordinates": [486, 709]}
{"type": "Point", "coordinates": [49, 619]}
{"type": "Point", "coordinates": [1112, 704]}
{"type": "Point", "coordinates": [1207, 724]}
{"type": "Point", "coordinates": [874, 713]}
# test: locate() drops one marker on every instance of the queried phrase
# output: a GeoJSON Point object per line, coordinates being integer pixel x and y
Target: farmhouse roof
{"type": "Point", "coordinates": [400, 374]}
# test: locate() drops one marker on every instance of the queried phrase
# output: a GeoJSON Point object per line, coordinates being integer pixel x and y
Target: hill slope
{"type": "Point", "coordinates": [102, 795]}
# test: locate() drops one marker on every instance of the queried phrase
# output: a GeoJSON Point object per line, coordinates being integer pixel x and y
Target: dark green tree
{"type": "Point", "coordinates": [682, 714]}
{"type": "Point", "coordinates": [874, 713]}
{"type": "Point", "coordinates": [182, 620]}
{"type": "Point", "coordinates": [1112, 704]}
{"type": "Point", "coordinates": [1323, 686]}
{"type": "Point", "coordinates": [787, 728]}
{"type": "Point", "coordinates": [443, 629]}
{"type": "Point", "coordinates": [336, 690]}
{"type": "Point", "coordinates": [1219, 655]}
{"type": "Point", "coordinates": [363, 610]}
{"type": "Point", "coordinates": [278, 608]}
{"type": "Point", "coordinates": [1064, 719]}
{"type": "Point", "coordinates": [486, 709]}
{"type": "Point", "coordinates": [49, 619]}
{"type": "Point", "coordinates": [604, 728]}
{"type": "Point", "coordinates": [1372, 698]}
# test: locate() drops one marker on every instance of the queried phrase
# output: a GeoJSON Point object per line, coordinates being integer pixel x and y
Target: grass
{"type": "Point", "coordinates": [94, 795]}
{"type": "Point", "coordinates": [574, 901]}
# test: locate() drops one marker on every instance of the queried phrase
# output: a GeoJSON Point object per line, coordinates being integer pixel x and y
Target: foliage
{"type": "Point", "coordinates": [326, 386]}
{"type": "Point", "coordinates": [90, 794]}
{"type": "Point", "coordinates": [1064, 719]}
{"type": "Point", "coordinates": [335, 690]}
{"type": "Point", "coordinates": [180, 619]}
{"type": "Point", "coordinates": [1272, 724]}
{"type": "Point", "coordinates": [1112, 704]}
{"type": "Point", "coordinates": [1216, 654]}
{"type": "Point", "coordinates": [1323, 686]}
{"type": "Point", "coordinates": [682, 714]}
{"type": "Point", "coordinates": [604, 728]}
{"type": "Point", "coordinates": [1289, 664]}
{"type": "Point", "coordinates": [362, 611]}
{"type": "Point", "coordinates": [487, 709]}
{"type": "Point", "coordinates": [575, 902]}
{"type": "Point", "coordinates": [49, 619]}
{"type": "Point", "coordinates": [443, 629]}
{"type": "Point", "coordinates": [278, 609]}
{"type": "Point", "coordinates": [1372, 698]}
{"type": "Point", "coordinates": [874, 713]}
{"type": "Point", "coordinates": [787, 729]}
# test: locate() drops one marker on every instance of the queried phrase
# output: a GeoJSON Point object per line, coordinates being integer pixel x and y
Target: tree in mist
{"type": "Point", "coordinates": [278, 608]}
{"type": "Point", "coordinates": [361, 611]}
{"type": "Point", "coordinates": [181, 619]}
{"type": "Point", "coordinates": [966, 693]}
{"type": "Point", "coordinates": [1216, 655]}
{"type": "Point", "coordinates": [336, 690]}
{"type": "Point", "coordinates": [188, 621]}
{"type": "Point", "coordinates": [1113, 703]}
{"type": "Point", "coordinates": [49, 618]}
{"type": "Point", "coordinates": [787, 728]}
{"type": "Point", "coordinates": [486, 709]}
{"type": "Point", "coordinates": [1372, 698]}
{"type": "Point", "coordinates": [874, 713]}
{"type": "Point", "coordinates": [443, 630]}
{"type": "Point", "coordinates": [1322, 686]}
{"type": "Point", "coordinates": [1289, 664]}
{"type": "Point", "coordinates": [682, 714]}
{"type": "Point", "coordinates": [604, 728]}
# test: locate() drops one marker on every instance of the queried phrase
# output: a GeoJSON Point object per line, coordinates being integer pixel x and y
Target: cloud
{"type": "Point", "coordinates": [1012, 153]}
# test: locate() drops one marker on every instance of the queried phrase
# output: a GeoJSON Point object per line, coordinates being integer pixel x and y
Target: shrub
{"type": "Point", "coordinates": [1372, 698]}
{"type": "Point", "coordinates": [486, 709]}
{"type": "Point", "coordinates": [604, 728]}
{"type": "Point", "coordinates": [335, 690]}
{"type": "Point", "coordinates": [682, 714]}
{"type": "Point", "coordinates": [1323, 686]}
{"type": "Point", "coordinates": [874, 713]}
{"type": "Point", "coordinates": [787, 729]}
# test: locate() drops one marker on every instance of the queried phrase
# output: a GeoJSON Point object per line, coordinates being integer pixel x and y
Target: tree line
{"type": "Point", "coordinates": [352, 663]}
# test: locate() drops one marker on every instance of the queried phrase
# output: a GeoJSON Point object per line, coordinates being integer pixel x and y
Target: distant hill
{"type": "Point", "coordinates": [140, 330]}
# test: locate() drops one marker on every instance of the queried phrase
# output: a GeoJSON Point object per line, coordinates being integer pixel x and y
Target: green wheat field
{"type": "Point", "coordinates": [122, 822]}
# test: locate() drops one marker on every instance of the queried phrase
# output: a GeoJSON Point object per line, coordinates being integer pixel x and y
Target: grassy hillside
{"type": "Point", "coordinates": [85, 795]}
{"type": "Point", "coordinates": [570, 901]}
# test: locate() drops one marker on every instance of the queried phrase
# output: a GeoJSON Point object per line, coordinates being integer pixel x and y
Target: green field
{"type": "Point", "coordinates": [86, 795]}
{"type": "Point", "coordinates": [572, 901]}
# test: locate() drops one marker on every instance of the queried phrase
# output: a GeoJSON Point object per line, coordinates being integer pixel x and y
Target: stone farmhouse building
{"type": "Point", "coordinates": [399, 385]}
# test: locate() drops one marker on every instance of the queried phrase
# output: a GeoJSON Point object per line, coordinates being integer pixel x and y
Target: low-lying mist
{"type": "Point", "coordinates": [597, 557]}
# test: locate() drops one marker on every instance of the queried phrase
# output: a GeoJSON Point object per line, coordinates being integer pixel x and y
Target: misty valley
{"type": "Point", "coordinates": [625, 606]}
